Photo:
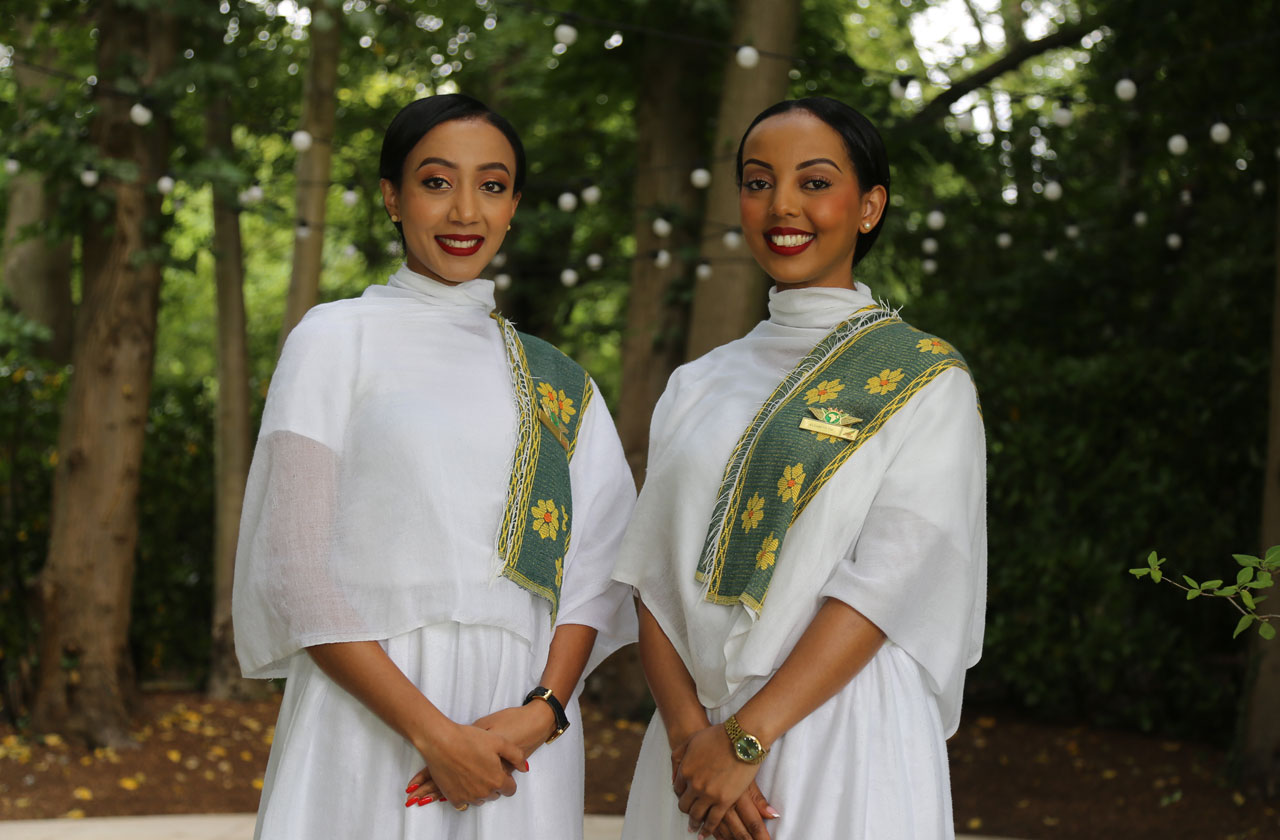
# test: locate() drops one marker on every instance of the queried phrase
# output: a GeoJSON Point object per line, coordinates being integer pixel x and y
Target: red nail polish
{"type": "Point", "coordinates": [443, 799]}
{"type": "Point", "coordinates": [411, 788]}
{"type": "Point", "coordinates": [411, 801]}
{"type": "Point", "coordinates": [526, 766]}
{"type": "Point", "coordinates": [426, 800]}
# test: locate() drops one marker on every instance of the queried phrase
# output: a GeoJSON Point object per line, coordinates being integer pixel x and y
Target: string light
{"type": "Point", "coordinates": [591, 194]}
{"type": "Point", "coordinates": [302, 230]}
{"type": "Point", "coordinates": [964, 121]}
{"type": "Point", "coordinates": [1052, 190]}
{"type": "Point", "coordinates": [929, 245]}
{"type": "Point", "coordinates": [350, 197]}
{"type": "Point", "coordinates": [1177, 145]}
{"type": "Point", "coordinates": [1062, 116]}
{"type": "Point", "coordinates": [1004, 239]}
{"type": "Point", "coordinates": [898, 87]}
{"type": "Point", "coordinates": [1072, 231]}
{"type": "Point", "coordinates": [700, 178]}
{"type": "Point", "coordinates": [703, 271]}
{"type": "Point", "coordinates": [662, 259]}
{"type": "Point", "coordinates": [1140, 218]}
{"type": "Point", "coordinates": [936, 220]}
{"type": "Point", "coordinates": [568, 202]}
{"type": "Point", "coordinates": [165, 184]}
{"type": "Point", "coordinates": [1220, 132]}
{"type": "Point", "coordinates": [595, 262]}
{"type": "Point", "coordinates": [301, 140]}
{"type": "Point", "coordinates": [11, 166]}
{"type": "Point", "coordinates": [661, 227]}
{"type": "Point", "coordinates": [1126, 90]}
{"type": "Point", "coordinates": [499, 260]}
{"type": "Point", "coordinates": [1049, 254]}
{"type": "Point", "coordinates": [1259, 187]}
{"type": "Point", "coordinates": [929, 266]}
{"type": "Point", "coordinates": [89, 176]}
{"type": "Point", "coordinates": [747, 57]}
{"type": "Point", "coordinates": [1185, 198]}
{"type": "Point", "coordinates": [568, 278]}
{"type": "Point", "coordinates": [566, 34]}
{"type": "Point", "coordinates": [140, 114]}
{"type": "Point", "coordinates": [502, 282]}
{"type": "Point", "coordinates": [1174, 241]}
{"type": "Point", "coordinates": [732, 239]}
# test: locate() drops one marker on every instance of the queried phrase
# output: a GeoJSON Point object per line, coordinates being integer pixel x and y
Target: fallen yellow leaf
{"type": "Point", "coordinates": [82, 793]}
{"type": "Point", "coordinates": [174, 756]}
{"type": "Point", "coordinates": [974, 823]}
{"type": "Point", "coordinates": [74, 814]}
{"type": "Point", "coordinates": [128, 783]}
{"type": "Point", "coordinates": [257, 784]}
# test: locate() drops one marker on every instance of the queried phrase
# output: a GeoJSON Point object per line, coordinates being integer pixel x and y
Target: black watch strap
{"type": "Point", "coordinates": [562, 720]}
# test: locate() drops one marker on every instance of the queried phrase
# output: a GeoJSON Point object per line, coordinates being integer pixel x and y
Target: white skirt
{"type": "Point", "coordinates": [338, 772]}
{"type": "Point", "coordinates": [869, 764]}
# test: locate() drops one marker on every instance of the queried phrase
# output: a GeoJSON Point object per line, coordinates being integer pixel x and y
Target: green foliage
{"type": "Point", "coordinates": [31, 393]}
{"type": "Point", "coordinates": [1255, 574]}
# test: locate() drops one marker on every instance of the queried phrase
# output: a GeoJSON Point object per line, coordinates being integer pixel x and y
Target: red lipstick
{"type": "Point", "coordinates": [796, 240]}
{"type": "Point", "coordinates": [461, 244]}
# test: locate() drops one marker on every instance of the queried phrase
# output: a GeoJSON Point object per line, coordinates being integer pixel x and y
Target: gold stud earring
{"type": "Point", "coordinates": [395, 218]}
{"type": "Point", "coordinates": [508, 227]}
{"type": "Point", "coordinates": [866, 225]}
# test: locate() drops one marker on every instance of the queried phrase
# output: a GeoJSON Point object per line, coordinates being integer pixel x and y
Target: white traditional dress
{"type": "Point", "coordinates": [372, 512]}
{"type": "Point", "coordinates": [898, 532]}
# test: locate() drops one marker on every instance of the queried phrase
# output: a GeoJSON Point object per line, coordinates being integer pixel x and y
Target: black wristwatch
{"type": "Point", "coordinates": [562, 720]}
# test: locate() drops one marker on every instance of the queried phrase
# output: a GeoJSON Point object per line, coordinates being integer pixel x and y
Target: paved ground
{"type": "Point", "coordinates": [213, 827]}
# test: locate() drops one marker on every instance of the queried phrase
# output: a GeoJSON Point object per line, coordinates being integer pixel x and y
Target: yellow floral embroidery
{"type": "Point", "coordinates": [559, 571]}
{"type": "Point", "coordinates": [886, 381]}
{"type": "Point", "coordinates": [754, 513]}
{"type": "Point", "coordinates": [789, 484]}
{"type": "Point", "coordinates": [767, 553]}
{"type": "Point", "coordinates": [546, 519]}
{"type": "Point", "coordinates": [556, 403]}
{"type": "Point", "coordinates": [824, 392]}
{"type": "Point", "coordinates": [933, 345]}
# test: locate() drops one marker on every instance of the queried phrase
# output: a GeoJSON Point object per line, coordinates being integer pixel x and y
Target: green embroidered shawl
{"type": "Point", "coordinates": [552, 394]}
{"type": "Point", "coordinates": [835, 400]}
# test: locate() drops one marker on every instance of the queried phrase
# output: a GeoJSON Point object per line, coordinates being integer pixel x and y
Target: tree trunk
{"type": "Point", "coordinates": [667, 131]}
{"type": "Point", "coordinates": [1259, 739]}
{"type": "Point", "coordinates": [728, 303]}
{"type": "Point", "coordinates": [85, 671]}
{"type": "Point", "coordinates": [232, 432]}
{"type": "Point", "coordinates": [319, 104]}
{"type": "Point", "coordinates": [37, 271]}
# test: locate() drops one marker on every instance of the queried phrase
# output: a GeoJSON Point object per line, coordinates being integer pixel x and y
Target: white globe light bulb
{"type": "Point", "coordinates": [747, 57]}
{"type": "Point", "coordinates": [566, 34]}
{"type": "Point", "coordinates": [1220, 132]}
{"type": "Point", "coordinates": [502, 282]}
{"type": "Point", "coordinates": [1177, 145]}
{"type": "Point", "coordinates": [703, 271]}
{"type": "Point", "coordinates": [1140, 218]}
{"type": "Point", "coordinates": [929, 245]}
{"type": "Point", "coordinates": [732, 239]}
{"type": "Point", "coordinates": [1072, 231]}
{"type": "Point", "coordinates": [700, 178]}
{"type": "Point", "coordinates": [499, 260]}
{"type": "Point", "coordinates": [1126, 90]}
{"type": "Point", "coordinates": [568, 202]}
{"type": "Point", "coordinates": [1050, 254]}
{"type": "Point", "coordinates": [140, 114]}
{"type": "Point", "coordinates": [929, 266]}
{"type": "Point", "coordinates": [89, 177]}
{"type": "Point", "coordinates": [568, 278]}
{"type": "Point", "coordinates": [301, 140]}
{"type": "Point", "coordinates": [1062, 116]}
{"type": "Point", "coordinates": [661, 227]}
{"type": "Point", "coordinates": [165, 184]}
{"type": "Point", "coordinates": [1174, 241]}
{"type": "Point", "coordinates": [936, 220]}
{"type": "Point", "coordinates": [1053, 190]}
{"type": "Point", "coordinates": [662, 259]}
{"type": "Point", "coordinates": [12, 167]}
{"type": "Point", "coordinates": [964, 121]}
{"type": "Point", "coordinates": [350, 198]}
{"type": "Point", "coordinates": [1004, 239]}
{"type": "Point", "coordinates": [591, 194]}
{"type": "Point", "coordinates": [595, 262]}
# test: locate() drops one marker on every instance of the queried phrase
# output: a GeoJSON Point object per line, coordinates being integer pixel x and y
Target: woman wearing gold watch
{"type": "Point", "coordinates": [809, 548]}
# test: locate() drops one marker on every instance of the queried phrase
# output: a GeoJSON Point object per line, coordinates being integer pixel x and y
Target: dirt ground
{"type": "Point", "coordinates": [1011, 778]}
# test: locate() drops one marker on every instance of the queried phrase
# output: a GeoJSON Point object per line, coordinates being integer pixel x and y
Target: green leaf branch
{"type": "Point", "coordinates": [1255, 574]}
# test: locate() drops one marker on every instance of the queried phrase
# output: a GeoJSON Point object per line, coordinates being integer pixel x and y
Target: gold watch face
{"type": "Point", "coordinates": [748, 748]}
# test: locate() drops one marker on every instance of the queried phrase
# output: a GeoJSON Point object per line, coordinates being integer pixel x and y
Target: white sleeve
{"type": "Point", "coordinates": [919, 565]}
{"type": "Point", "coordinates": [603, 496]}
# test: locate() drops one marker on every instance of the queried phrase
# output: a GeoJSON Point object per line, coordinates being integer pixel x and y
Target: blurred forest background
{"type": "Point", "coordinates": [1085, 201]}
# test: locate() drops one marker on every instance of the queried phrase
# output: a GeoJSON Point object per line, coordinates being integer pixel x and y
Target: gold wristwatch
{"type": "Point", "coordinates": [745, 747]}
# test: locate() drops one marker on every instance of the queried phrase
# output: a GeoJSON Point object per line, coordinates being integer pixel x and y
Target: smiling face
{"type": "Point", "coordinates": [455, 199]}
{"type": "Point", "coordinates": [802, 208]}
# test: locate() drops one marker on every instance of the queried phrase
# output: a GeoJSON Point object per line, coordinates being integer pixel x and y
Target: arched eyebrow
{"type": "Point", "coordinates": [816, 161]}
{"type": "Point", "coordinates": [451, 165]}
{"type": "Point", "coordinates": [757, 162]}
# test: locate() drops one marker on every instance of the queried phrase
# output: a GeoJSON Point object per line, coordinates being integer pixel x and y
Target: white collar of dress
{"type": "Point", "coordinates": [476, 293]}
{"type": "Point", "coordinates": [816, 307]}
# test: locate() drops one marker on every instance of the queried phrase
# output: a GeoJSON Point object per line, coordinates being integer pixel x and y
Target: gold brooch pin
{"type": "Point", "coordinates": [831, 421]}
{"type": "Point", "coordinates": [554, 426]}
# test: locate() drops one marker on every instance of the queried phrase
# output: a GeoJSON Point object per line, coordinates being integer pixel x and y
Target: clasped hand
{"type": "Point", "coordinates": [718, 791]}
{"type": "Point", "coordinates": [475, 764]}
